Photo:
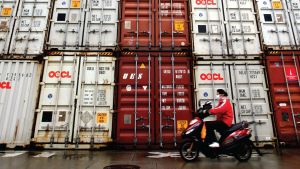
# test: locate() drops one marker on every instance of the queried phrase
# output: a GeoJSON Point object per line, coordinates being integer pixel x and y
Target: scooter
{"type": "Point", "coordinates": [233, 142]}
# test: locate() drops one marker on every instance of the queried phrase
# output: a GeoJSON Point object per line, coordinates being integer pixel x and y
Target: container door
{"type": "Point", "coordinates": [19, 81]}
{"type": "Point", "coordinates": [294, 7]}
{"type": "Point", "coordinates": [247, 92]}
{"type": "Point", "coordinates": [31, 25]}
{"type": "Point", "coordinates": [136, 100]}
{"type": "Point", "coordinates": [137, 24]}
{"type": "Point", "coordinates": [56, 109]}
{"type": "Point", "coordinates": [173, 98]}
{"type": "Point", "coordinates": [8, 10]}
{"type": "Point", "coordinates": [93, 120]}
{"type": "Point", "coordinates": [275, 24]}
{"type": "Point", "coordinates": [67, 25]}
{"type": "Point", "coordinates": [209, 77]}
{"type": "Point", "coordinates": [251, 99]}
{"type": "Point", "coordinates": [285, 87]}
{"type": "Point", "coordinates": [172, 29]}
{"type": "Point", "coordinates": [242, 32]}
{"type": "Point", "coordinates": [208, 28]}
{"type": "Point", "coordinates": [101, 21]}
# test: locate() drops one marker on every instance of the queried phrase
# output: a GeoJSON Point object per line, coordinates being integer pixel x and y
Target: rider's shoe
{"type": "Point", "coordinates": [214, 145]}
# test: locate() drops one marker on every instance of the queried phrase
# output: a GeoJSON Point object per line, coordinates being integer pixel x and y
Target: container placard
{"type": "Point", "coordinates": [276, 5]}
{"type": "Point", "coordinates": [101, 117]}
{"type": "Point", "coordinates": [179, 25]}
{"type": "Point", "coordinates": [181, 125]}
{"type": "Point", "coordinates": [6, 12]}
{"type": "Point", "coordinates": [75, 4]}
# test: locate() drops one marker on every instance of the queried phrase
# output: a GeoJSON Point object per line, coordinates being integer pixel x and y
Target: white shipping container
{"type": "Point", "coordinates": [246, 86]}
{"type": "Point", "coordinates": [19, 83]}
{"type": "Point", "coordinates": [224, 28]}
{"type": "Point", "coordinates": [8, 10]}
{"type": "Point", "coordinates": [242, 31]}
{"type": "Point", "coordinates": [208, 29]}
{"type": "Point", "coordinates": [30, 27]}
{"type": "Point", "coordinates": [294, 8]}
{"type": "Point", "coordinates": [101, 24]}
{"type": "Point", "coordinates": [57, 98]}
{"type": "Point", "coordinates": [93, 121]}
{"type": "Point", "coordinates": [83, 24]}
{"type": "Point", "coordinates": [276, 25]}
{"type": "Point", "coordinates": [74, 106]}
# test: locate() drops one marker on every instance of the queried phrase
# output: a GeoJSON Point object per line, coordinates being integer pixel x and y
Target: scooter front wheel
{"type": "Point", "coordinates": [189, 150]}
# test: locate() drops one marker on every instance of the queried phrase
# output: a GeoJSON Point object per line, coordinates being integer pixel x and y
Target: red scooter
{"type": "Point", "coordinates": [233, 142]}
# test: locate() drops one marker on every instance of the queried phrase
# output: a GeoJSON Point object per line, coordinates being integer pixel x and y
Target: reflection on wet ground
{"type": "Point", "coordinates": [156, 159]}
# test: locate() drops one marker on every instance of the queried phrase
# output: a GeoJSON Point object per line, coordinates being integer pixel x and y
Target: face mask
{"type": "Point", "coordinates": [217, 96]}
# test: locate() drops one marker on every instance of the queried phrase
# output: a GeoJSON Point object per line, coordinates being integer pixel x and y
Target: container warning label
{"type": "Point", "coordinates": [181, 125]}
{"type": "Point", "coordinates": [101, 117]}
{"type": "Point", "coordinates": [276, 4]}
{"type": "Point", "coordinates": [75, 4]}
{"type": "Point", "coordinates": [291, 74]}
{"type": "Point", "coordinates": [6, 12]}
{"type": "Point", "coordinates": [127, 24]}
{"type": "Point", "coordinates": [179, 25]}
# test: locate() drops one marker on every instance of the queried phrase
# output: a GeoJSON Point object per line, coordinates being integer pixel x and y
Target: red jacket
{"type": "Point", "coordinates": [223, 111]}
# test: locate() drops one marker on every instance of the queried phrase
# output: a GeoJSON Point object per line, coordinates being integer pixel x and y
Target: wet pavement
{"type": "Point", "coordinates": [155, 159]}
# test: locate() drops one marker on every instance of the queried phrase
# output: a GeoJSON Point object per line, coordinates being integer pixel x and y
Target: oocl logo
{"type": "Point", "coordinates": [205, 2]}
{"type": "Point", "coordinates": [5, 85]}
{"type": "Point", "coordinates": [57, 74]}
{"type": "Point", "coordinates": [211, 76]}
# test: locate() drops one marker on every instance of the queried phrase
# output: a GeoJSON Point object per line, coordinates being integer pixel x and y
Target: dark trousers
{"type": "Point", "coordinates": [220, 126]}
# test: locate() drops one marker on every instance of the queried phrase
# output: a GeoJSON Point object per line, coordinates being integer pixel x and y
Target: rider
{"type": "Point", "coordinates": [224, 114]}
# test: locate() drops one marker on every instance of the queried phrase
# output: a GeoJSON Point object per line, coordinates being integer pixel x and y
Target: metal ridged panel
{"type": "Point", "coordinates": [31, 27]}
{"type": "Point", "coordinates": [18, 95]}
{"type": "Point", "coordinates": [8, 10]}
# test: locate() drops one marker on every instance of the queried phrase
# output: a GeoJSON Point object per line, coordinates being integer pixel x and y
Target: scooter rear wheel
{"type": "Point", "coordinates": [189, 150]}
{"type": "Point", "coordinates": [244, 152]}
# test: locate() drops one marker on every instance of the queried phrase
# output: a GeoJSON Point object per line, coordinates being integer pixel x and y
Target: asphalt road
{"type": "Point", "coordinates": [71, 159]}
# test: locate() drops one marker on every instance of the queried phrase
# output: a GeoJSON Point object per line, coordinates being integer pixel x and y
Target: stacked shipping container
{"type": "Point", "coordinates": [154, 75]}
{"type": "Point", "coordinates": [83, 25]}
{"type": "Point", "coordinates": [224, 29]}
{"type": "Point", "coordinates": [24, 26]}
{"type": "Point", "coordinates": [18, 96]}
{"type": "Point", "coordinates": [155, 97]}
{"type": "Point", "coordinates": [155, 25]}
{"type": "Point", "coordinates": [22, 34]}
{"type": "Point", "coordinates": [283, 71]}
{"type": "Point", "coordinates": [226, 45]}
{"type": "Point", "coordinates": [76, 99]}
{"type": "Point", "coordinates": [279, 25]}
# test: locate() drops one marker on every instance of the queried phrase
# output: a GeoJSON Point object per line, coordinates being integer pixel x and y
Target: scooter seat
{"type": "Point", "coordinates": [235, 127]}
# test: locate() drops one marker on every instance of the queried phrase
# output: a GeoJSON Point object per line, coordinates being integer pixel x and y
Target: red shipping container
{"type": "Point", "coordinates": [283, 71]}
{"type": "Point", "coordinates": [160, 24]}
{"type": "Point", "coordinates": [149, 88]}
